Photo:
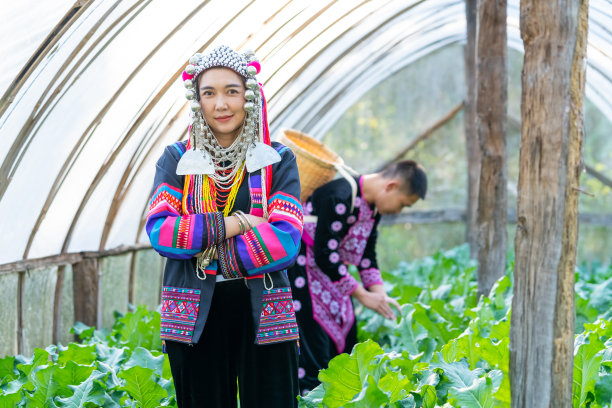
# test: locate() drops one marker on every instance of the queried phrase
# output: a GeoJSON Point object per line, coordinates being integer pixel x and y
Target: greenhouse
{"type": "Point", "coordinates": [502, 273]}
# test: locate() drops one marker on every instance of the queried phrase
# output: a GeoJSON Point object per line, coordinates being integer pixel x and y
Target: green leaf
{"type": "Point", "coordinates": [112, 356]}
{"type": "Point", "coordinates": [408, 402]}
{"type": "Point", "coordinates": [369, 397]}
{"type": "Point", "coordinates": [603, 389]}
{"type": "Point", "coordinates": [84, 354]}
{"type": "Point", "coordinates": [314, 399]}
{"type": "Point", "coordinates": [436, 326]}
{"type": "Point", "coordinates": [587, 360]}
{"type": "Point", "coordinates": [90, 391]}
{"type": "Point", "coordinates": [141, 387]}
{"type": "Point", "coordinates": [10, 400]}
{"type": "Point", "coordinates": [45, 388]}
{"type": "Point", "coordinates": [405, 362]}
{"type": "Point", "coordinates": [429, 396]}
{"type": "Point", "coordinates": [142, 357]}
{"type": "Point", "coordinates": [71, 374]}
{"type": "Point", "coordinates": [409, 335]}
{"type": "Point", "coordinates": [138, 329]}
{"type": "Point", "coordinates": [83, 331]}
{"type": "Point", "coordinates": [395, 385]}
{"type": "Point", "coordinates": [345, 374]}
{"type": "Point", "coordinates": [456, 374]}
{"type": "Point", "coordinates": [15, 385]}
{"type": "Point", "coordinates": [27, 365]}
{"type": "Point", "coordinates": [480, 393]}
{"type": "Point", "coordinates": [7, 369]}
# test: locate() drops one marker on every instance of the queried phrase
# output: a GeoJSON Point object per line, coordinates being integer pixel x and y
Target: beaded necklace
{"type": "Point", "coordinates": [205, 196]}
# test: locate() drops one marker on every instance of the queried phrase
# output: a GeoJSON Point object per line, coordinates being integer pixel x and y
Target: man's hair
{"type": "Point", "coordinates": [412, 175]}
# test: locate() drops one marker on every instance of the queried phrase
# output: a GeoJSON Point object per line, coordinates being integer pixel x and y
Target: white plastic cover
{"type": "Point", "coordinates": [82, 128]}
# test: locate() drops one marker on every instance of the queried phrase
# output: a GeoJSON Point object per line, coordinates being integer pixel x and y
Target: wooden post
{"type": "Point", "coordinates": [472, 146]}
{"type": "Point", "coordinates": [542, 327]}
{"type": "Point", "coordinates": [491, 112]}
{"type": "Point", "coordinates": [86, 278]}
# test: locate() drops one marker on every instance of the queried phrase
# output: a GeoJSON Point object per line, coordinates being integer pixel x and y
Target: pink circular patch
{"type": "Point", "coordinates": [336, 226]}
{"type": "Point", "coordinates": [301, 260]}
{"type": "Point", "coordinates": [301, 372]}
{"type": "Point", "coordinates": [342, 269]}
{"type": "Point", "coordinates": [299, 282]}
{"type": "Point", "coordinates": [297, 305]}
{"type": "Point", "coordinates": [340, 209]}
{"type": "Point", "coordinates": [365, 263]}
{"type": "Point", "coordinates": [332, 244]}
{"type": "Point", "coordinates": [334, 257]}
{"type": "Point", "coordinates": [351, 219]}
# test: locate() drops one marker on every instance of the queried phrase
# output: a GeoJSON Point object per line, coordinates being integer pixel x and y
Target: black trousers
{"type": "Point", "coordinates": [226, 361]}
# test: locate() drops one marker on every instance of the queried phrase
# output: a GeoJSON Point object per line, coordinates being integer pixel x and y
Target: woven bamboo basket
{"type": "Point", "coordinates": [317, 164]}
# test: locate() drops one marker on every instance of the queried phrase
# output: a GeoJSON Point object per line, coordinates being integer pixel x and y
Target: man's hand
{"type": "Point", "coordinates": [378, 302]}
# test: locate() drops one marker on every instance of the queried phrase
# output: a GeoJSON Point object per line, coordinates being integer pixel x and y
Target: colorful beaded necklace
{"type": "Point", "coordinates": [205, 196]}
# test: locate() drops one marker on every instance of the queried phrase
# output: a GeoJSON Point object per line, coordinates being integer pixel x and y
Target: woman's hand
{"type": "Point", "coordinates": [378, 302]}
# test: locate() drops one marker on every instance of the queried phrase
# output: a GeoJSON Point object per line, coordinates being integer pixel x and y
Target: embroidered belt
{"type": "Point", "coordinates": [220, 278]}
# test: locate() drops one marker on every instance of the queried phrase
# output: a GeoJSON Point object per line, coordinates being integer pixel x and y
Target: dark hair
{"type": "Point", "coordinates": [411, 174]}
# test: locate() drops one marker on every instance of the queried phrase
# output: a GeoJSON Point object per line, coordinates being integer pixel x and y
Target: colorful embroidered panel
{"type": "Point", "coordinates": [277, 317]}
{"type": "Point", "coordinates": [179, 311]}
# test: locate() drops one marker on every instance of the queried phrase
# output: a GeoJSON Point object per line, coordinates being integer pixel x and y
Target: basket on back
{"type": "Point", "coordinates": [317, 164]}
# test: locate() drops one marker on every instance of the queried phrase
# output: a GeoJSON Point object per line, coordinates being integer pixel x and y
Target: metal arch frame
{"type": "Point", "coordinates": [139, 156]}
{"type": "Point", "coordinates": [82, 141]}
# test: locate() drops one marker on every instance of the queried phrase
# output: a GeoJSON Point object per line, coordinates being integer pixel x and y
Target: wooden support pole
{"type": "Point", "coordinates": [86, 279]}
{"type": "Point", "coordinates": [491, 112]}
{"type": "Point", "coordinates": [542, 325]}
{"type": "Point", "coordinates": [472, 146]}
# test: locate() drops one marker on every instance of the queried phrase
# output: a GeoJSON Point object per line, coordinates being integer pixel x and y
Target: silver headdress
{"type": "Point", "coordinates": [207, 156]}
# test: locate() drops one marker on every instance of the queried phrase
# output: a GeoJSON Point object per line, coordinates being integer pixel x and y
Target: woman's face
{"type": "Point", "coordinates": [222, 102]}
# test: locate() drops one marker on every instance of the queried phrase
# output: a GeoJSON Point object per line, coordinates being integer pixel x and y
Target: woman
{"type": "Point", "coordinates": [224, 212]}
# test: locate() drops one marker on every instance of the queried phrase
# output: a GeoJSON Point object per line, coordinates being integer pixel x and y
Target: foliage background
{"type": "Point", "coordinates": [389, 116]}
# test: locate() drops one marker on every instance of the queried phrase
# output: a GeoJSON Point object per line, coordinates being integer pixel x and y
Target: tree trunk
{"type": "Point", "coordinates": [491, 112]}
{"type": "Point", "coordinates": [472, 146]}
{"type": "Point", "coordinates": [542, 326]}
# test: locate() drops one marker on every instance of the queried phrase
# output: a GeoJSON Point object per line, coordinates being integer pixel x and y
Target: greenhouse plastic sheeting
{"type": "Point", "coordinates": [84, 118]}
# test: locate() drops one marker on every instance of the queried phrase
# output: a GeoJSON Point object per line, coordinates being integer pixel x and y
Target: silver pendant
{"type": "Point", "coordinates": [195, 161]}
{"type": "Point", "coordinates": [260, 155]}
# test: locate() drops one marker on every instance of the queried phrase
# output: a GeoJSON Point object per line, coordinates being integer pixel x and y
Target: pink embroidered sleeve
{"type": "Point", "coordinates": [346, 285]}
{"type": "Point", "coordinates": [370, 277]}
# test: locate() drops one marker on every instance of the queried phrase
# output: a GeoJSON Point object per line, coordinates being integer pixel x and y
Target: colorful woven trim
{"type": "Point", "coordinates": [179, 312]}
{"type": "Point", "coordinates": [277, 321]}
{"type": "Point", "coordinates": [228, 263]}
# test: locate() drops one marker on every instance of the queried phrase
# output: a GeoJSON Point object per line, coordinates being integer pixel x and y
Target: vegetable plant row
{"type": "Point", "coordinates": [447, 348]}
